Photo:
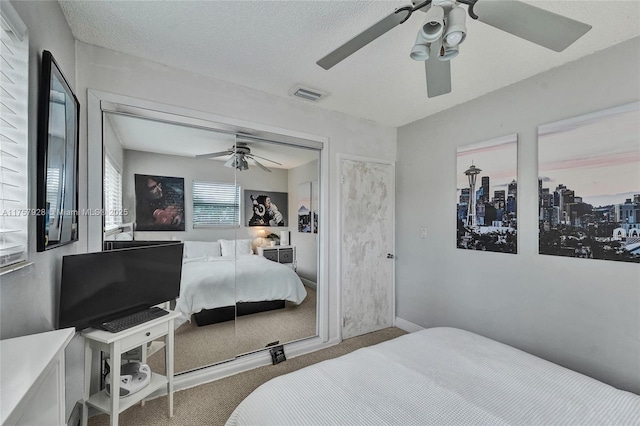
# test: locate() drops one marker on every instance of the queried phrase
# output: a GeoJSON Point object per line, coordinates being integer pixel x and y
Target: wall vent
{"type": "Point", "coordinates": [307, 93]}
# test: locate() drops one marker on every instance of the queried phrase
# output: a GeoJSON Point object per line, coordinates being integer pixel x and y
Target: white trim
{"type": "Point", "coordinates": [10, 18]}
{"type": "Point", "coordinates": [328, 332]}
{"type": "Point", "coordinates": [407, 326]}
{"type": "Point", "coordinates": [15, 267]}
{"type": "Point", "coordinates": [94, 163]}
{"type": "Point", "coordinates": [242, 364]}
{"type": "Point", "coordinates": [341, 157]}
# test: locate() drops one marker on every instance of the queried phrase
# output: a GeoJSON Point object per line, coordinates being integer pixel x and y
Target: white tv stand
{"type": "Point", "coordinates": [116, 344]}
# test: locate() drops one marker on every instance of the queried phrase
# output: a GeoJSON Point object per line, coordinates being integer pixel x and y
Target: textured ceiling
{"type": "Point", "coordinates": [273, 45]}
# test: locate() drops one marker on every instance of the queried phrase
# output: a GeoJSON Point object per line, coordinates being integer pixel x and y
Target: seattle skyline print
{"type": "Point", "coordinates": [487, 193]}
{"type": "Point", "coordinates": [589, 185]}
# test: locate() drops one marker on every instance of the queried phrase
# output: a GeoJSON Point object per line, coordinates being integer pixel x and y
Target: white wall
{"type": "Point", "coordinates": [306, 243]}
{"type": "Point", "coordinates": [27, 296]}
{"type": "Point", "coordinates": [582, 314]}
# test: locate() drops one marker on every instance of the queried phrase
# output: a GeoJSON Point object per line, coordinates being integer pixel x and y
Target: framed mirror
{"type": "Point", "coordinates": [236, 189]}
{"type": "Point", "coordinates": [57, 175]}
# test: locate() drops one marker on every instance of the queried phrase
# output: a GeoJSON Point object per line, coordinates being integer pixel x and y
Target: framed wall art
{"type": "Point", "coordinates": [266, 208]}
{"type": "Point", "coordinates": [159, 203]}
{"type": "Point", "coordinates": [589, 185]}
{"type": "Point", "coordinates": [487, 195]}
{"type": "Point", "coordinates": [304, 207]}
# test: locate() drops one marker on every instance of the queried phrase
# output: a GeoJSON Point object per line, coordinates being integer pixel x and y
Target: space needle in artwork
{"type": "Point", "coordinates": [472, 173]}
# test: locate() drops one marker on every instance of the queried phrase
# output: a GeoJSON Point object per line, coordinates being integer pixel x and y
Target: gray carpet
{"type": "Point", "coordinates": [213, 403]}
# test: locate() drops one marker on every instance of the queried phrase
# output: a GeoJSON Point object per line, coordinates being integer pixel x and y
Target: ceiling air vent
{"type": "Point", "coordinates": [307, 94]}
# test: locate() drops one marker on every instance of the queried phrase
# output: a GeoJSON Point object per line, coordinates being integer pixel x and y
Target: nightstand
{"type": "Point", "coordinates": [116, 344]}
{"type": "Point", "coordinates": [281, 254]}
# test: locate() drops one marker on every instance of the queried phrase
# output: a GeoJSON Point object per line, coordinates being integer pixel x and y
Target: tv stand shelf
{"type": "Point", "coordinates": [102, 401]}
{"type": "Point", "coordinates": [115, 344]}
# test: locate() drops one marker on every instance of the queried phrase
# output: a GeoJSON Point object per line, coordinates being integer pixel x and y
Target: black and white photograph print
{"type": "Point", "coordinates": [266, 208]}
{"type": "Point", "coordinates": [304, 207]}
{"type": "Point", "coordinates": [315, 189]}
{"type": "Point", "coordinates": [487, 195]}
{"type": "Point", "coordinates": [159, 203]}
{"type": "Point", "coordinates": [589, 185]}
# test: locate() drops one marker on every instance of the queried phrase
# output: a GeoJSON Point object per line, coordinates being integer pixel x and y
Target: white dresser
{"type": "Point", "coordinates": [32, 378]}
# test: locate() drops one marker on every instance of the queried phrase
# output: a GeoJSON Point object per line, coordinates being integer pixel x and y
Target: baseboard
{"type": "Point", "coordinates": [244, 363]}
{"type": "Point", "coordinates": [309, 283]}
{"type": "Point", "coordinates": [407, 326]}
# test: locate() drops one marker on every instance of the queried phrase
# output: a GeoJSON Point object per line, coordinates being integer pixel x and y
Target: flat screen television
{"type": "Point", "coordinates": [99, 287]}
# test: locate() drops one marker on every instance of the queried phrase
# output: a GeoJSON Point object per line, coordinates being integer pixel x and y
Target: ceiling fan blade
{"type": "Point", "coordinates": [260, 165]}
{"type": "Point", "coordinates": [438, 73]}
{"type": "Point", "coordinates": [539, 26]}
{"type": "Point", "coordinates": [365, 37]}
{"type": "Point", "coordinates": [214, 154]}
{"type": "Point", "coordinates": [274, 162]}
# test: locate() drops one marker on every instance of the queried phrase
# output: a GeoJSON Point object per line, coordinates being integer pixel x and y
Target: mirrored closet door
{"type": "Point", "coordinates": [246, 209]}
{"type": "Point", "coordinates": [280, 208]}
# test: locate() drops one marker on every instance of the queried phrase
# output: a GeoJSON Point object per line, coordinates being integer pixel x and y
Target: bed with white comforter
{"type": "Point", "coordinates": [214, 282]}
{"type": "Point", "coordinates": [438, 376]}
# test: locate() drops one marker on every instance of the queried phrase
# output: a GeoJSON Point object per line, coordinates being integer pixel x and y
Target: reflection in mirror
{"type": "Point", "coordinates": [57, 159]}
{"type": "Point", "coordinates": [279, 208]}
{"type": "Point", "coordinates": [238, 292]}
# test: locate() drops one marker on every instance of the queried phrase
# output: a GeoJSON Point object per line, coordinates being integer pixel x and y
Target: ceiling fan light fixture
{"type": "Point", "coordinates": [447, 53]}
{"type": "Point", "coordinates": [456, 30]}
{"type": "Point", "coordinates": [454, 38]}
{"type": "Point", "coordinates": [434, 24]}
{"type": "Point", "coordinates": [420, 50]}
{"type": "Point", "coordinates": [231, 162]}
{"type": "Point", "coordinates": [242, 163]}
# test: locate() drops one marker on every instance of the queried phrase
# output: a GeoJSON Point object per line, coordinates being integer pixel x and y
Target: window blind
{"type": "Point", "coordinates": [14, 87]}
{"type": "Point", "coordinates": [215, 204]}
{"type": "Point", "coordinates": [112, 195]}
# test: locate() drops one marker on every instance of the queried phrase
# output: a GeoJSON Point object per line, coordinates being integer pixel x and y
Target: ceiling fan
{"type": "Point", "coordinates": [444, 29]}
{"type": "Point", "coordinates": [239, 153]}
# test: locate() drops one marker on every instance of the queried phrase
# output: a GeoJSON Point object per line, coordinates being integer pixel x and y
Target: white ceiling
{"type": "Point", "coordinates": [171, 139]}
{"type": "Point", "coordinates": [273, 45]}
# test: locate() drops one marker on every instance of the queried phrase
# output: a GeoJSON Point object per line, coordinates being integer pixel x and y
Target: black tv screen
{"type": "Point", "coordinates": [99, 287]}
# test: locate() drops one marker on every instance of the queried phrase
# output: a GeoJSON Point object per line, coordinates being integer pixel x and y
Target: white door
{"type": "Point", "coordinates": [367, 242]}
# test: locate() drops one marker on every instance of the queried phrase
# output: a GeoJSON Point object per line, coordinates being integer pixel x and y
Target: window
{"type": "Point", "coordinates": [112, 195]}
{"type": "Point", "coordinates": [14, 88]}
{"type": "Point", "coordinates": [215, 204]}
{"type": "Point", "coordinates": [53, 192]}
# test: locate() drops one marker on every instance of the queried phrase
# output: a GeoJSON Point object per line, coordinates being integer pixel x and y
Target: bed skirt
{"type": "Point", "coordinates": [228, 313]}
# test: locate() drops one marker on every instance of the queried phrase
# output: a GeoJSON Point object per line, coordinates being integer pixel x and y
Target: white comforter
{"type": "Point", "coordinates": [214, 282]}
{"type": "Point", "coordinates": [438, 376]}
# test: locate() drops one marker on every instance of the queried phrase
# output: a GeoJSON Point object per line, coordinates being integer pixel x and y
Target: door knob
{"type": "Point", "coordinates": [389, 256]}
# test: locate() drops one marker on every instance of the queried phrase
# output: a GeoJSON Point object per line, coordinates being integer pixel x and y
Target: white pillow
{"type": "Point", "coordinates": [244, 247]}
{"type": "Point", "coordinates": [194, 249]}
